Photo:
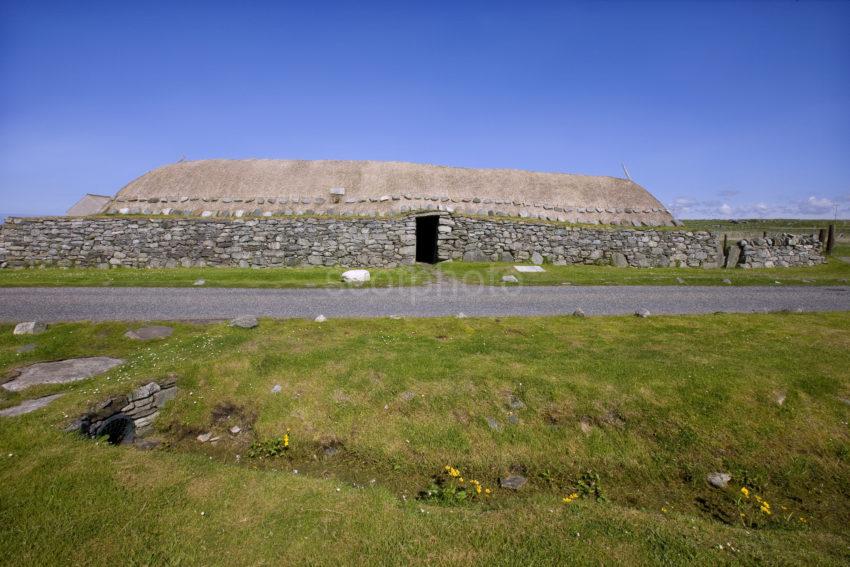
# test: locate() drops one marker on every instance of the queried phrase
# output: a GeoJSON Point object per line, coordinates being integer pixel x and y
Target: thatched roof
{"type": "Point", "coordinates": [281, 186]}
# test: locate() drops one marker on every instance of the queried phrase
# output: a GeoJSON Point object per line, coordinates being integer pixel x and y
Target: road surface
{"type": "Point", "coordinates": [125, 304]}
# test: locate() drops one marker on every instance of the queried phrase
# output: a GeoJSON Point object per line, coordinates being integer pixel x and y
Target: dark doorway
{"type": "Point", "coordinates": [118, 429]}
{"type": "Point", "coordinates": [426, 239]}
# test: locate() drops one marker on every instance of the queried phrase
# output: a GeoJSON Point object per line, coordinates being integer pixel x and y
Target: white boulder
{"type": "Point", "coordinates": [29, 328]}
{"type": "Point", "coordinates": [356, 276]}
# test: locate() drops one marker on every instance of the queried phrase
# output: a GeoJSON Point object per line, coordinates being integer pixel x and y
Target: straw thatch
{"type": "Point", "coordinates": [224, 184]}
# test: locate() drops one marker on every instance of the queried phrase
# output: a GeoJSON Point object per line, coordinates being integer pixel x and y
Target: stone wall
{"type": "Point", "coordinates": [380, 242]}
{"type": "Point", "coordinates": [105, 242]}
{"type": "Point", "coordinates": [780, 251]}
{"type": "Point", "coordinates": [511, 241]}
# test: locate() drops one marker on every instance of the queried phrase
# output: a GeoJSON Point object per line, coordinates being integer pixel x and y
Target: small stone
{"type": "Point", "coordinates": [680, 281]}
{"type": "Point", "coordinates": [515, 403]}
{"type": "Point", "coordinates": [320, 319]}
{"type": "Point", "coordinates": [407, 396]}
{"type": "Point", "coordinates": [356, 276]}
{"type": "Point", "coordinates": [510, 279]}
{"type": "Point", "coordinates": [727, 281]}
{"type": "Point", "coordinates": [536, 259]}
{"type": "Point", "coordinates": [513, 482]}
{"type": "Point", "coordinates": [461, 315]}
{"type": "Point", "coordinates": [244, 322]}
{"type": "Point", "coordinates": [719, 480]}
{"type": "Point", "coordinates": [204, 437]}
{"type": "Point", "coordinates": [493, 424]}
{"type": "Point", "coordinates": [30, 328]}
{"type": "Point", "coordinates": [276, 389]}
{"type": "Point", "coordinates": [642, 313]}
{"type": "Point", "coordinates": [779, 398]}
{"type": "Point", "coordinates": [235, 430]}
{"type": "Point", "coordinates": [579, 313]}
{"type": "Point", "coordinates": [200, 282]}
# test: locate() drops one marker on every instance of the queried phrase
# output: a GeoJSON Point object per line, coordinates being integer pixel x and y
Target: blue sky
{"type": "Point", "coordinates": [719, 109]}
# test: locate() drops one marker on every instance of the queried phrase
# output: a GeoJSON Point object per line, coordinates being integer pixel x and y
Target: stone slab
{"type": "Point", "coordinates": [529, 269]}
{"type": "Point", "coordinates": [28, 405]}
{"type": "Point", "coordinates": [149, 333]}
{"type": "Point", "coordinates": [61, 372]}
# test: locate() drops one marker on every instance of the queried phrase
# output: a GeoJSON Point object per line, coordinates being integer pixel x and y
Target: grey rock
{"type": "Point", "coordinates": [205, 437]}
{"type": "Point", "coordinates": [727, 281]}
{"type": "Point", "coordinates": [515, 403]}
{"type": "Point", "coordinates": [200, 282]}
{"type": "Point", "coordinates": [235, 430]}
{"type": "Point", "coordinates": [513, 482]}
{"type": "Point", "coordinates": [493, 424]}
{"type": "Point", "coordinates": [719, 480]}
{"type": "Point", "coordinates": [618, 259]}
{"type": "Point", "coordinates": [164, 396]}
{"type": "Point", "coordinates": [642, 313]}
{"type": "Point", "coordinates": [61, 372]}
{"type": "Point", "coordinates": [28, 406]}
{"type": "Point", "coordinates": [149, 333]}
{"type": "Point", "coordinates": [143, 392]}
{"type": "Point", "coordinates": [407, 396]}
{"type": "Point", "coordinates": [579, 313]}
{"type": "Point", "coordinates": [30, 328]}
{"type": "Point", "coordinates": [733, 256]}
{"type": "Point", "coordinates": [320, 319]}
{"type": "Point", "coordinates": [276, 389]}
{"type": "Point", "coordinates": [510, 279]}
{"type": "Point", "coordinates": [244, 322]}
{"type": "Point", "coordinates": [536, 258]}
{"type": "Point", "coordinates": [680, 281]}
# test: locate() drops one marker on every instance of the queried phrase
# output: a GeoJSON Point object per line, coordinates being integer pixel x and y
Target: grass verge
{"type": "Point", "coordinates": [651, 406]}
{"type": "Point", "coordinates": [834, 272]}
{"type": "Point", "coordinates": [319, 277]}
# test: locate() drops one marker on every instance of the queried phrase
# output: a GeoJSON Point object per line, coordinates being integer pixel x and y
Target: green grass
{"type": "Point", "coordinates": [834, 272]}
{"type": "Point", "coordinates": [215, 277]}
{"type": "Point", "coordinates": [664, 400]}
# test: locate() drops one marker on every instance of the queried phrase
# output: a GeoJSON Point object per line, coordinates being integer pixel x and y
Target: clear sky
{"type": "Point", "coordinates": [719, 109]}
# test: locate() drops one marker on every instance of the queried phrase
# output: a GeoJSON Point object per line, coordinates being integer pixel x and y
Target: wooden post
{"type": "Point", "coordinates": [822, 238]}
{"type": "Point", "coordinates": [830, 239]}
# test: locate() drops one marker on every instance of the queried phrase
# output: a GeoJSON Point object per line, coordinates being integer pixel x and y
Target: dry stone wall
{"type": "Point", "coordinates": [510, 241]}
{"type": "Point", "coordinates": [377, 242]}
{"type": "Point", "coordinates": [781, 251]}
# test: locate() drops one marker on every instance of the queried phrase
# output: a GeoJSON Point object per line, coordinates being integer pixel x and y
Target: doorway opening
{"type": "Point", "coordinates": [119, 429]}
{"type": "Point", "coordinates": [426, 239]}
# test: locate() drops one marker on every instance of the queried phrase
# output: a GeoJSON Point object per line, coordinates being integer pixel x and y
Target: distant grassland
{"type": "Point", "coordinates": [769, 225]}
{"type": "Point", "coordinates": [635, 411]}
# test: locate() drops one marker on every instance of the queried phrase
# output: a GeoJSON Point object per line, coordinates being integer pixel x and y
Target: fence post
{"type": "Point", "coordinates": [822, 238]}
{"type": "Point", "coordinates": [830, 239]}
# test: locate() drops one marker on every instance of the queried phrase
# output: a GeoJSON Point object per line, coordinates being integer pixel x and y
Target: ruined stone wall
{"type": "Point", "coordinates": [380, 242]}
{"type": "Point", "coordinates": [781, 251]}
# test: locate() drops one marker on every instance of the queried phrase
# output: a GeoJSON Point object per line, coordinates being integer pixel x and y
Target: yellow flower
{"type": "Point", "coordinates": [664, 510]}
{"type": "Point", "coordinates": [460, 480]}
{"type": "Point", "coordinates": [486, 491]}
{"type": "Point", "coordinates": [745, 491]}
{"type": "Point", "coordinates": [286, 441]}
{"type": "Point", "coordinates": [453, 472]}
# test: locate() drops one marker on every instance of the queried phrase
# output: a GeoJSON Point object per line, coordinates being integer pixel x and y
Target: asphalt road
{"type": "Point", "coordinates": [124, 304]}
